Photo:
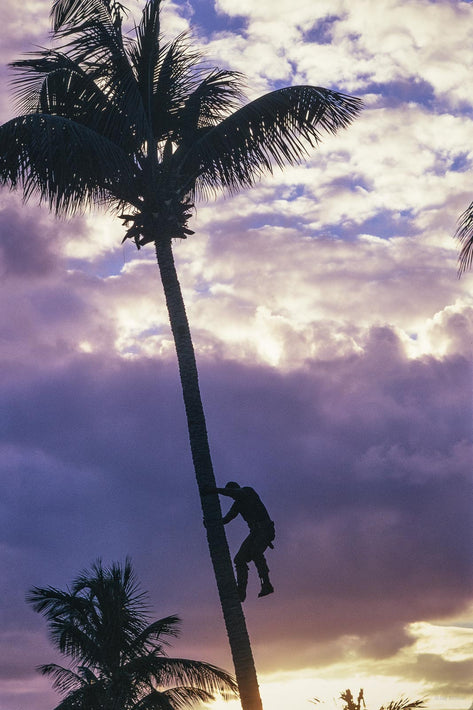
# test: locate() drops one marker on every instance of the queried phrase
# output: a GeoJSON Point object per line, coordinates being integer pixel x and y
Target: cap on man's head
{"type": "Point", "coordinates": [232, 484]}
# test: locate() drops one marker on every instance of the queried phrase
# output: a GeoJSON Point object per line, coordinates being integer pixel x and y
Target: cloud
{"type": "Point", "coordinates": [368, 493]}
{"type": "Point", "coordinates": [441, 675]}
{"type": "Point", "coordinates": [21, 32]}
{"type": "Point", "coordinates": [23, 252]}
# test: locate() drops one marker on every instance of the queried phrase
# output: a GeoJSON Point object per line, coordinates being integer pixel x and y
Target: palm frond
{"type": "Point", "coordinates": [64, 679]}
{"type": "Point", "coordinates": [48, 600]}
{"type": "Point", "coordinates": [154, 633]}
{"type": "Point", "coordinates": [177, 75]}
{"type": "Point", "coordinates": [86, 675]}
{"type": "Point", "coordinates": [182, 697]}
{"type": "Point", "coordinates": [155, 700]}
{"type": "Point", "coordinates": [94, 28]}
{"type": "Point", "coordinates": [75, 638]}
{"type": "Point", "coordinates": [97, 43]}
{"type": "Point", "coordinates": [113, 587]}
{"type": "Point", "coordinates": [68, 15]}
{"type": "Point", "coordinates": [216, 96]}
{"type": "Point", "coordinates": [116, 615]}
{"type": "Point", "coordinates": [66, 164]}
{"type": "Point", "coordinates": [145, 53]}
{"type": "Point", "coordinates": [197, 674]}
{"type": "Point", "coordinates": [276, 128]}
{"type": "Point", "coordinates": [69, 625]}
{"type": "Point", "coordinates": [53, 83]}
{"type": "Point", "coordinates": [29, 78]}
{"type": "Point", "coordinates": [87, 697]}
{"type": "Point", "coordinates": [464, 234]}
{"type": "Point", "coordinates": [404, 704]}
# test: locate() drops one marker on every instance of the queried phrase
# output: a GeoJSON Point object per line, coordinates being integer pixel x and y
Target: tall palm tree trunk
{"type": "Point", "coordinates": [232, 611]}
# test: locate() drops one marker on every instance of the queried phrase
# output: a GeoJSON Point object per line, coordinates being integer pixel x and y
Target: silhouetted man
{"type": "Point", "coordinates": [248, 504]}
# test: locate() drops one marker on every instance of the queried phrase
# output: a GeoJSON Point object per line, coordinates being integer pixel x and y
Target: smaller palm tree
{"type": "Point", "coordinates": [117, 658]}
{"type": "Point", "coordinates": [351, 704]}
{"type": "Point", "coordinates": [402, 704]}
{"type": "Point", "coordinates": [464, 234]}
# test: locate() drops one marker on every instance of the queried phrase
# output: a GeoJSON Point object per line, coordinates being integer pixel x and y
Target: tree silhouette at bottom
{"type": "Point", "coordinates": [359, 704]}
{"type": "Point", "coordinates": [118, 658]}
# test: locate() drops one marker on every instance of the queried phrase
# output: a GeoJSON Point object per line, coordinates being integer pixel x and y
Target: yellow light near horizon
{"type": "Point", "coordinates": [295, 690]}
{"type": "Point", "coordinates": [454, 643]}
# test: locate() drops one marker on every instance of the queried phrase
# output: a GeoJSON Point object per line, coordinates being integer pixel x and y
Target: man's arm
{"type": "Point", "coordinates": [232, 513]}
{"type": "Point", "coordinates": [231, 492]}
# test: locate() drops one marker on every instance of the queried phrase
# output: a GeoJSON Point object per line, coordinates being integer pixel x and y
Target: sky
{"type": "Point", "coordinates": [333, 339]}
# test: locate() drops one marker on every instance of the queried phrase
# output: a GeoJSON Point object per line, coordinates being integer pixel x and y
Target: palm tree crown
{"type": "Point", "coordinates": [144, 124]}
{"type": "Point", "coordinates": [117, 658]}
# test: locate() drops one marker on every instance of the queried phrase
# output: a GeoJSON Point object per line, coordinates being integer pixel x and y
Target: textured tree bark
{"type": "Point", "coordinates": [220, 555]}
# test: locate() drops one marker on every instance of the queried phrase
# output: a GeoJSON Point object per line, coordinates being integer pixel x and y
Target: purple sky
{"type": "Point", "coordinates": [333, 340]}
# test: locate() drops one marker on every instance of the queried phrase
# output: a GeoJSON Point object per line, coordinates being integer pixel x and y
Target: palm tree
{"type": "Point", "coordinates": [351, 704]}
{"type": "Point", "coordinates": [464, 234]}
{"type": "Point", "coordinates": [142, 125]}
{"type": "Point", "coordinates": [117, 658]}
{"type": "Point", "coordinates": [402, 704]}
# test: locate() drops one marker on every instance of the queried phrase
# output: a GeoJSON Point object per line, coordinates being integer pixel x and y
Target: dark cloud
{"type": "Point", "coordinates": [386, 643]}
{"type": "Point", "coordinates": [26, 249]}
{"type": "Point", "coordinates": [361, 461]}
{"type": "Point", "coordinates": [322, 30]}
{"type": "Point", "coordinates": [452, 677]}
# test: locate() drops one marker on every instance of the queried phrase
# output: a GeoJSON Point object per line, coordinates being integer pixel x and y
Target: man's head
{"type": "Point", "coordinates": [232, 484]}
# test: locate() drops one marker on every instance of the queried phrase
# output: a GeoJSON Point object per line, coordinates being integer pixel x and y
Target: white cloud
{"type": "Point", "coordinates": [365, 42]}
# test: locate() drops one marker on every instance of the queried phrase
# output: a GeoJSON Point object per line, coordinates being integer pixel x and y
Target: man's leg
{"type": "Point", "coordinates": [259, 543]}
{"type": "Point", "coordinates": [241, 560]}
{"type": "Point", "coordinates": [263, 572]}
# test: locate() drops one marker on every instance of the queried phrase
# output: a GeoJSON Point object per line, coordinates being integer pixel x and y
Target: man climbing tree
{"type": "Point", "coordinates": [248, 504]}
